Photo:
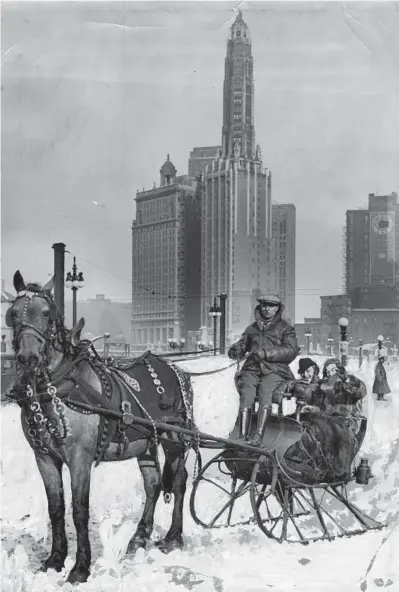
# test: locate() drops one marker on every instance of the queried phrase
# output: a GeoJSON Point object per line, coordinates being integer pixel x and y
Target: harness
{"type": "Point", "coordinates": [46, 388]}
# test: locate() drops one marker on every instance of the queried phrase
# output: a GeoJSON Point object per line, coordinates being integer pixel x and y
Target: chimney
{"type": "Point", "coordinates": [59, 273]}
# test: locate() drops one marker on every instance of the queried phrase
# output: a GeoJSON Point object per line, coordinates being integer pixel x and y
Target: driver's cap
{"type": "Point", "coordinates": [270, 298]}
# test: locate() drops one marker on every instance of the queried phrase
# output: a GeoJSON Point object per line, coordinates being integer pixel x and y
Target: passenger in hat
{"type": "Point", "coordinates": [340, 393]}
{"type": "Point", "coordinates": [308, 370]}
{"type": "Point", "coordinates": [303, 389]}
{"type": "Point", "coordinates": [271, 345]}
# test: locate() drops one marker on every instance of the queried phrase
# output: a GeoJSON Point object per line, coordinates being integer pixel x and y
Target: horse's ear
{"type": "Point", "coordinates": [8, 318]}
{"type": "Point", "coordinates": [77, 329]}
{"type": "Point", "coordinates": [19, 283]}
{"type": "Point", "coordinates": [50, 285]}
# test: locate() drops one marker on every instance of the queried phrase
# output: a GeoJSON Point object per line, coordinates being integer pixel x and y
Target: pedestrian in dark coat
{"type": "Point", "coordinates": [271, 345]}
{"type": "Point", "coordinates": [380, 386]}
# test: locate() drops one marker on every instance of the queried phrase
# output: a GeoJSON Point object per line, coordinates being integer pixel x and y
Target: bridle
{"type": "Point", "coordinates": [23, 327]}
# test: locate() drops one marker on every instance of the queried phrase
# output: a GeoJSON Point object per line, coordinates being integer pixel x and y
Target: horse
{"type": "Point", "coordinates": [67, 395]}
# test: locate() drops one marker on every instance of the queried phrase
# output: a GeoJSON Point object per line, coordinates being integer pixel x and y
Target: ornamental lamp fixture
{"type": "Point", "coordinates": [75, 281]}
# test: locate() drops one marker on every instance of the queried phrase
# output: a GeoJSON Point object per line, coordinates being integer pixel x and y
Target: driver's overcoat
{"type": "Point", "coordinates": [275, 341]}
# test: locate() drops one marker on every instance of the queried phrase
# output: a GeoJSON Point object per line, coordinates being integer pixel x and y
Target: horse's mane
{"type": "Point", "coordinates": [38, 288]}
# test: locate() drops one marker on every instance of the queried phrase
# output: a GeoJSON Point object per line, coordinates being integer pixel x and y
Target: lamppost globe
{"type": "Point", "coordinates": [343, 322]}
{"type": "Point", "coordinates": [380, 338]}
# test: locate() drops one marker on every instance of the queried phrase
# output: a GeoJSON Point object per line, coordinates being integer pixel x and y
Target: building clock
{"type": "Point", "coordinates": [382, 224]}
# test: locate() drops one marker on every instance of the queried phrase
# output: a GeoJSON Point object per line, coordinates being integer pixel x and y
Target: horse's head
{"type": "Point", "coordinates": [32, 317]}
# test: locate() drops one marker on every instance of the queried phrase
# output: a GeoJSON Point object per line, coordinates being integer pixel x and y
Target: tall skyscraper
{"type": "Point", "coordinates": [237, 243]}
{"type": "Point", "coordinates": [283, 231]}
{"type": "Point", "coordinates": [200, 157]}
{"type": "Point", "coordinates": [166, 260]}
{"type": "Point", "coordinates": [372, 253]}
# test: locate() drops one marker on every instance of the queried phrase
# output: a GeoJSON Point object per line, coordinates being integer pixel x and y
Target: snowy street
{"type": "Point", "coordinates": [226, 559]}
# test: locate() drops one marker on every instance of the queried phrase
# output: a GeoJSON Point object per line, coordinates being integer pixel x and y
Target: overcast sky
{"type": "Point", "coordinates": [95, 94]}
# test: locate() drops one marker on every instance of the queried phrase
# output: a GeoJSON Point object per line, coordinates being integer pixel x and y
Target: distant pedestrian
{"type": "Point", "coordinates": [380, 386]}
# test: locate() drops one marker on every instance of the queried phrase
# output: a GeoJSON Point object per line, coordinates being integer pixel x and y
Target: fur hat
{"type": "Point", "coordinates": [340, 368]}
{"type": "Point", "coordinates": [305, 363]}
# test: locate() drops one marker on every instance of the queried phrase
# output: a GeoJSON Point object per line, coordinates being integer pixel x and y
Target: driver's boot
{"type": "Point", "coordinates": [263, 414]}
{"type": "Point", "coordinates": [244, 416]}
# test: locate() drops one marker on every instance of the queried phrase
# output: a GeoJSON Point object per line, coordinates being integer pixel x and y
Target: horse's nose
{"type": "Point", "coordinates": [21, 359]}
{"type": "Point", "coordinates": [31, 360]}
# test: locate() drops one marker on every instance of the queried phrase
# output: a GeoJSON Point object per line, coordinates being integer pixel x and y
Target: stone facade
{"type": "Point", "coordinates": [166, 260]}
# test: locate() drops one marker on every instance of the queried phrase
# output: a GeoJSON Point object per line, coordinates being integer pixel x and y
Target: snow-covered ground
{"type": "Point", "coordinates": [229, 560]}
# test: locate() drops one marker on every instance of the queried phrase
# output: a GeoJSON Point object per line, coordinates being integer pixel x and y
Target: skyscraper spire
{"type": "Point", "coordinates": [238, 132]}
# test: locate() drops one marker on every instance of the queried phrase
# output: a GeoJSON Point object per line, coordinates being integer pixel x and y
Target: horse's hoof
{"type": "Point", "coordinates": [134, 545]}
{"type": "Point", "coordinates": [168, 545]}
{"type": "Point", "coordinates": [78, 576]}
{"type": "Point", "coordinates": [55, 562]}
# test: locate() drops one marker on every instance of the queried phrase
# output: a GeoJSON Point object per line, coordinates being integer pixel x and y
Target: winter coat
{"type": "Point", "coordinates": [271, 346]}
{"type": "Point", "coordinates": [340, 395]}
{"type": "Point", "coordinates": [380, 386]}
{"type": "Point", "coordinates": [301, 389]}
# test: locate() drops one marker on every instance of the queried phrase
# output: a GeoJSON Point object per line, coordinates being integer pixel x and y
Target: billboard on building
{"type": "Point", "coordinates": [382, 248]}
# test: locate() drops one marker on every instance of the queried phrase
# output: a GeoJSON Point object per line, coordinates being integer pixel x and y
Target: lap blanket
{"type": "Point", "coordinates": [327, 448]}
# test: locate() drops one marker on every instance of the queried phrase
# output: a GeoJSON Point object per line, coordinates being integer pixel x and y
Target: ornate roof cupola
{"type": "Point", "coordinates": [239, 29]}
{"type": "Point", "coordinates": [238, 132]}
{"type": "Point", "coordinates": [168, 172]}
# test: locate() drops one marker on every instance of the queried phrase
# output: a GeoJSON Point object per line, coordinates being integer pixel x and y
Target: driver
{"type": "Point", "coordinates": [271, 345]}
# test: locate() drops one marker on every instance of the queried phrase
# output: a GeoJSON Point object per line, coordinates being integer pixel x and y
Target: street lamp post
{"type": "Point", "coordinates": [380, 340]}
{"type": "Point", "coordinates": [343, 325]}
{"type": "Point", "coordinates": [201, 345]}
{"type": "Point", "coordinates": [173, 343]}
{"type": "Point", "coordinates": [330, 340]}
{"type": "Point", "coordinates": [222, 340]}
{"type": "Point", "coordinates": [75, 281]}
{"type": "Point", "coordinates": [308, 334]}
{"type": "Point", "coordinates": [214, 312]}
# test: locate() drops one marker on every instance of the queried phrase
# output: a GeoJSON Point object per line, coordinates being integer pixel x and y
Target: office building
{"type": "Point", "coordinates": [166, 260]}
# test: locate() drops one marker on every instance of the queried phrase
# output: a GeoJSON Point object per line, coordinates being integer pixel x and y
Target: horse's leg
{"type": "Point", "coordinates": [80, 470]}
{"type": "Point", "coordinates": [175, 467]}
{"type": "Point", "coordinates": [51, 471]}
{"type": "Point", "coordinates": [152, 486]}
